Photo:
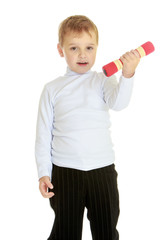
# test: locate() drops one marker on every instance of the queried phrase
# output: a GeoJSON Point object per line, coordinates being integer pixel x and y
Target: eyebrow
{"type": "Point", "coordinates": [90, 44]}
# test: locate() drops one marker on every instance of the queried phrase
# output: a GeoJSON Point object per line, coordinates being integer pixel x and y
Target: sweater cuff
{"type": "Point", "coordinates": [45, 172]}
{"type": "Point", "coordinates": [127, 79]}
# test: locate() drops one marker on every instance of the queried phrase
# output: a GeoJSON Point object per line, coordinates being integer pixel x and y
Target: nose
{"type": "Point", "coordinates": [82, 54]}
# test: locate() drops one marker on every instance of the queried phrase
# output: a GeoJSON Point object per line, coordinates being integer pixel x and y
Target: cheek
{"type": "Point", "coordinates": [70, 59]}
{"type": "Point", "coordinates": [93, 57]}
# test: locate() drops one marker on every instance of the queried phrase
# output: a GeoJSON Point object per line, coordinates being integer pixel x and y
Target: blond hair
{"type": "Point", "coordinates": [76, 23]}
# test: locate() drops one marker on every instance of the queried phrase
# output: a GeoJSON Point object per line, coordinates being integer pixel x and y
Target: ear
{"type": "Point", "coordinates": [60, 50]}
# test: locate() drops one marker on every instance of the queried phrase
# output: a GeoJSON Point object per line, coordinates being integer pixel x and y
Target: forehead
{"type": "Point", "coordinates": [83, 37]}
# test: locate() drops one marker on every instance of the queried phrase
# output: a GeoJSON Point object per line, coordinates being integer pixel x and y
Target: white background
{"type": "Point", "coordinates": [29, 59]}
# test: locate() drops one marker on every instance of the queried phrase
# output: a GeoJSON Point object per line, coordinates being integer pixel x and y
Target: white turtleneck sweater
{"type": "Point", "coordinates": [73, 120]}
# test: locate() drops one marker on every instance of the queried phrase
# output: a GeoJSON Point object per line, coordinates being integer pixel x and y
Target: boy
{"type": "Point", "coordinates": [74, 152]}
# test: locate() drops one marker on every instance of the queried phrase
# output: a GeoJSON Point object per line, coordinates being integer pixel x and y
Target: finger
{"type": "Point", "coordinates": [44, 185]}
{"type": "Point", "coordinates": [48, 194]}
{"type": "Point", "coordinates": [136, 53]}
{"type": "Point", "coordinates": [48, 183]}
{"type": "Point", "coordinates": [127, 56]}
{"type": "Point", "coordinates": [124, 59]}
{"type": "Point", "coordinates": [43, 189]}
{"type": "Point", "coordinates": [130, 55]}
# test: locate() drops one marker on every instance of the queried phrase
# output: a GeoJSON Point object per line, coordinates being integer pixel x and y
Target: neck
{"type": "Point", "coordinates": [70, 72]}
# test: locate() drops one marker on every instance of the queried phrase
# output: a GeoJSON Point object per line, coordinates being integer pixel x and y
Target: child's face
{"type": "Point", "coordinates": [79, 51]}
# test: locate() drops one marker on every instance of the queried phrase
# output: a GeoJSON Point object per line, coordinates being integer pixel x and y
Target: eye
{"type": "Point", "coordinates": [73, 48]}
{"type": "Point", "coordinates": [89, 48]}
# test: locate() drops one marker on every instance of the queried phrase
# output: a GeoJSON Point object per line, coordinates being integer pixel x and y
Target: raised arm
{"type": "Point", "coordinates": [118, 95]}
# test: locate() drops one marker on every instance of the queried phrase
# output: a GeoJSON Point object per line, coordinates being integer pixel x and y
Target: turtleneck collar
{"type": "Point", "coordinates": [69, 72]}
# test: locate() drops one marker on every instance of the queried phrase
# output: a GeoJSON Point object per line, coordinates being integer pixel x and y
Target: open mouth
{"type": "Point", "coordinates": [82, 63]}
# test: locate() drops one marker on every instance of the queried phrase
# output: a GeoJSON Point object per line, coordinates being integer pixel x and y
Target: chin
{"type": "Point", "coordinates": [83, 69]}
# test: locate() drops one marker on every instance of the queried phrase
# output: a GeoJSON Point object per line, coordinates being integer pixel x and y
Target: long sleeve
{"type": "Point", "coordinates": [117, 95]}
{"type": "Point", "coordinates": [44, 135]}
{"type": "Point", "coordinates": [73, 120]}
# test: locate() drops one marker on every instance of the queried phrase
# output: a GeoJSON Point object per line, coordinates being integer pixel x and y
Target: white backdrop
{"type": "Point", "coordinates": [29, 59]}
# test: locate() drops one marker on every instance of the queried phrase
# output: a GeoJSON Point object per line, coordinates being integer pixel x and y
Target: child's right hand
{"type": "Point", "coordinates": [44, 184]}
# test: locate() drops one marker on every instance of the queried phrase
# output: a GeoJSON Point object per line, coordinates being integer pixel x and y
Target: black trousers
{"type": "Point", "coordinates": [74, 190]}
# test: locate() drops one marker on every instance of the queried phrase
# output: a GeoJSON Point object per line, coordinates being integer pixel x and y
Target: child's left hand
{"type": "Point", "coordinates": [130, 61]}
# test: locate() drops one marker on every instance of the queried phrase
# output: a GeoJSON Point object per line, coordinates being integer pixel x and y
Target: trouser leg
{"type": "Point", "coordinates": [68, 204]}
{"type": "Point", "coordinates": [103, 203]}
